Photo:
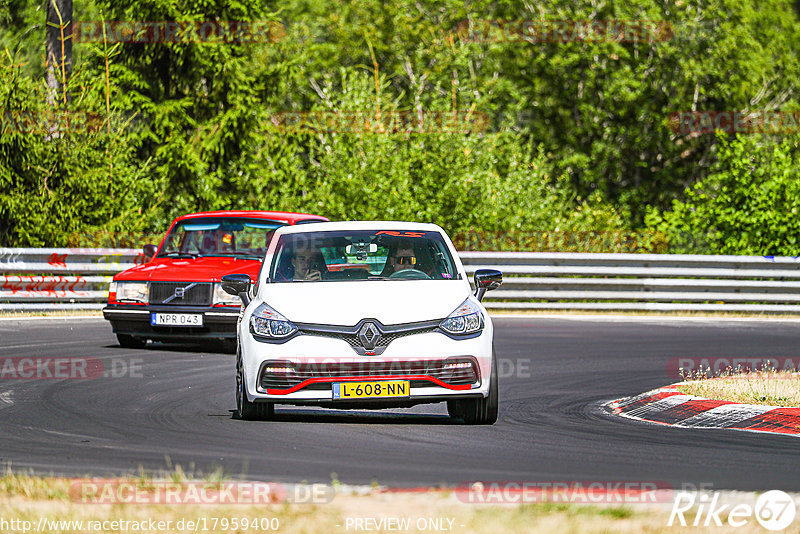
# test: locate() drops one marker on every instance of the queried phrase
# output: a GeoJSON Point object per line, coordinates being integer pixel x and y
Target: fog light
{"type": "Point", "coordinates": [462, 365]}
{"type": "Point", "coordinates": [279, 369]}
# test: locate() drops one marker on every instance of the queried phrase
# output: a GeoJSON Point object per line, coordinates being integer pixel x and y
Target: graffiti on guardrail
{"type": "Point", "coordinates": [57, 286]}
{"type": "Point", "coordinates": [63, 260]}
{"type": "Point", "coordinates": [59, 260]}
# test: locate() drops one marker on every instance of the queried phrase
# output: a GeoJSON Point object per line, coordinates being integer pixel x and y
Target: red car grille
{"type": "Point", "coordinates": [318, 376]}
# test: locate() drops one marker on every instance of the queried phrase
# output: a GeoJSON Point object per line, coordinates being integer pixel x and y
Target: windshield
{"type": "Point", "coordinates": [219, 236]}
{"type": "Point", "coordinates": [362, 255]}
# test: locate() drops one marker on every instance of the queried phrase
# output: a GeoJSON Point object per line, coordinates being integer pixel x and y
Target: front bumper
{"type": "Point", "coordinates": [413, 358]}
{"type": "Point", "coordinates": [218, 322]}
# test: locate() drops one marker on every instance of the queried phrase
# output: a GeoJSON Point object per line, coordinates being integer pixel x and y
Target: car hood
{"type": "Point", "coordinates": [346, 303]}
{"type": "Point", "coordinates": [207, 269]}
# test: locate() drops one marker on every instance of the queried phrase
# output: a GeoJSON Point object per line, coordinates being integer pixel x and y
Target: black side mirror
{"type": "Point", "coordinates": [239, 285]}
{"type": "Point", "coordinates": [149, 252]}
{"type": "Point", "coordinates": [486, 280]}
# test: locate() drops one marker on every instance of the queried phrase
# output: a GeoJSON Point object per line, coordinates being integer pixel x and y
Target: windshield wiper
{"type": "Point", "coordinates": [238, 255]}
{"type": "Point", "coordinates": [178, 255]}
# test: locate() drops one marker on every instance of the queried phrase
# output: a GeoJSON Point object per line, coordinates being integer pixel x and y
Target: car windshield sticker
{"type": "Point", "coordinates": [199, 227]}
{"type": "Point", "coordinates": [395, 233]}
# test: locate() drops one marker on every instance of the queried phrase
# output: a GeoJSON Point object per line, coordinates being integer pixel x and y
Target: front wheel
{"type": "Point", "coordinates": [481, 411]}
{"type": "Point", "coordinates": [228, 345]}
{"type": "Point", "coordinates": [245, 409]}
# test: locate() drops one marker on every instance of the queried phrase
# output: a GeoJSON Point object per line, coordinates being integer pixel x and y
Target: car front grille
{"type": "Point", "coordinates": [378, 341]}
{"type": "Point", "coordinates": [354, 341]}
{"type": "Point", "coordinates": [294, 374]}
{"type": "Point", "coordinates": [169, 293]}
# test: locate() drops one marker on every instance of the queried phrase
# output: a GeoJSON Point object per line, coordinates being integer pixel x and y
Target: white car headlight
{"type": "Point", "coordinates": [225, 299]}
{"type": "Point", "coordinates": [133, 292]}
{"type": "Point", "coordinates": [466, 319]}
{"type": "Point", "coordinates": [269, 323]}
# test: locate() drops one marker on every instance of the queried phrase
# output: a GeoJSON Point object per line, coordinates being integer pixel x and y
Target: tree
{"type": "Point", "coordinates": [58, 48]}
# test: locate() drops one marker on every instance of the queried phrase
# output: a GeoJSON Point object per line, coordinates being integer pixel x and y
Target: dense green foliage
{"type": "Point", "coordinates": [576, 141]}
{"type": "Point", "coordinates": [749, 204]}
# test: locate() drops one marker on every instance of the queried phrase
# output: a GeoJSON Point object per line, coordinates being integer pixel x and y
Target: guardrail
{"type": "Point", "coordinates": [40, 279]}
{"type": "Point", "coordinates": [68, 278]}
{"type": "Point", "coordinates": [662, 282]}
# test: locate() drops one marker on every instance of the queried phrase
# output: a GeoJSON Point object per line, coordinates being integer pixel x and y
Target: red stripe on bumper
{"type": "Point", "coordinates": [304, 383]}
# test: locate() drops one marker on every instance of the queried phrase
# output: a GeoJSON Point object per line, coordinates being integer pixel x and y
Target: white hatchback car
{"type": "Point", "coordinates": [365, 315]}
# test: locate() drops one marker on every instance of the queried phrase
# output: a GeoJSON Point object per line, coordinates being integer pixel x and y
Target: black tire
{"type": "Point", "coordinates": [454, 409]}
{"type": "Point", "coordinates": [228, 346]}
{"type": "Point", "coordinates": [481, 411]}
{"type": "Point", "coordinates": [245, 409]}
{"type": "Point", "coordinates": [129, 342]}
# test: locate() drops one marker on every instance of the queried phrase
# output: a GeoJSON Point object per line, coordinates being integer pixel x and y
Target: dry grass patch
{"type": "Point", "coordinates": [772, 388]}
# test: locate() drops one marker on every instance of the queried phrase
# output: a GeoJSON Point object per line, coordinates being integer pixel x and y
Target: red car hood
{"type": "Point", "coordinates": [208, 269]}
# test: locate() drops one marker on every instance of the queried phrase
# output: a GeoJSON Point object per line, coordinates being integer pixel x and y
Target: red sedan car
{"type": "Point", "coordinates": [176, 295]}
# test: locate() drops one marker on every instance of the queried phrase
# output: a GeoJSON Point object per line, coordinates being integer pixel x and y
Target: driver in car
{"type": "Point", "coordinates": [403, 258]}
{"type": "Point", "coordinates": [307, 265]}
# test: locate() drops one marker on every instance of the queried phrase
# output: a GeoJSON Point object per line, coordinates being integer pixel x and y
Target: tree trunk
{"type": "Point", "coordinates": [58, 48]}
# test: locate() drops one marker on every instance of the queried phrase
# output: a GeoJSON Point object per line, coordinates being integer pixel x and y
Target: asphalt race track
{"type": "Point", "coordinates": [177, 408]}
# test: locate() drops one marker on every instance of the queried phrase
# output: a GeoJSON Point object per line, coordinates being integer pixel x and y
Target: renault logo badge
{"type": "Point", "coordinates": [369, 335]}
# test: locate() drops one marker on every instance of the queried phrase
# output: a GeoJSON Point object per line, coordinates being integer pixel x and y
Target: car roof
{"type": "Point", "coordinates": [362, 225]}
{"type": "Point", "coordinates": [278, 216]}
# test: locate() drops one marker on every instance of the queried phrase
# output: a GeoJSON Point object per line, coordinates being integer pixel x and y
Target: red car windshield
{"type": "Point", "coordinates": [219, 236]}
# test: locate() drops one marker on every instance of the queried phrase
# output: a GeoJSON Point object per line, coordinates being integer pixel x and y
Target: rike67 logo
{"type": "Point", "coordinates": [774, 510]}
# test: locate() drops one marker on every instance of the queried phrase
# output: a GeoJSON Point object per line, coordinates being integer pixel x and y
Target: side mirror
{"type": "Point", "coordinates": [149, 252]}
{"type": "Point", "coordinates": [239, 285]}
{"type": "Point", "coordinates": [486, 280]}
